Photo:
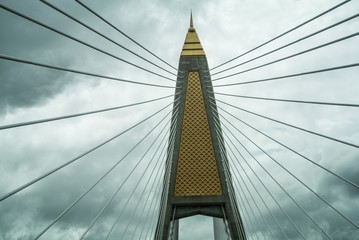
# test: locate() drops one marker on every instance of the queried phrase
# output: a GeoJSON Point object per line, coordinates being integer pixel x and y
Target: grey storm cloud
{"type": "Point", "coordinates": [24, 86]}
{"type": "Point", "coordinates": [226, 29]}
{"type": "Point", "coordinates": [21, 89]}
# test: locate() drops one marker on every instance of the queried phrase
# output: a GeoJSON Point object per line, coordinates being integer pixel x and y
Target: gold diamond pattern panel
{"type": "Point", "coordinates": [197, 173]}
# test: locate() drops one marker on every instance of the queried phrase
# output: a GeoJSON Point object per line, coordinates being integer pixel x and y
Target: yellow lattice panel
{"type": "Point", "coordinates": [197, 173]}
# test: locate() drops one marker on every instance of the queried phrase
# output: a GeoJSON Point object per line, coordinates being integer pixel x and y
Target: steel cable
{"type": "Point", "coordinates": [290, 100]}
{"type": "Point", "coordinates": [77, 114]}
{"type": "Point", "coordinates": [100, 179]}
{"type": "Point", "coordinates": [102, 35]}
{"type": "Point", "coordinates": [276, 221]}
{"type": "Point", "coordinates": [151, 205]}
{"type": "Point", "coordinates": [145, 188]}
{"type": "Point", "coordinates": [167, 169]}
{"type": "Point", "coordinates": [285, 191]}
{"type": "Point", "coordinates": [223, 142]}
{"type": "Point", "coordinates": [76, 158]}
{"type": "Point", "coordinates": [82, 42]}
{"type": "Point", "coordinates": [300, 181]}
{"type": "Point", "coordinates": [289, 44]}
{"type": "Point", "coordinates": [133, 191]}
{"type": "Point", "coordinates": [228, 172]}
{"type": "Point", "coordinates": [160, 172]}
{"type": "Point", "coordinates": [122, 184]}
{"type": "Point", "coordinates": [118, 30]}
{"type": "Point", "coordinates": [290, 56]}
{"type": "Point", "coordinates": [292, 126]}
{"type": "Point", "coordinates": [9, 58]}
{"type": "Point", "coordinates": [292, 150]}
{"type": "Point", "coordinates": [290, 76]}
{"type": "Point", "coordinates": [114, 224]}
{"type": "Point", "coordinates": [257, 178]}
{"type": "Point", "coordinates": [294, 225]}
{"type": "Point", "coordinates": [265, 221]}
{"type": "Point", "coordinates": [229, 177]}
{"type": "Point", "coordinates": [281, 35]}
{"type": "Point", "coordinates": [160, 156]}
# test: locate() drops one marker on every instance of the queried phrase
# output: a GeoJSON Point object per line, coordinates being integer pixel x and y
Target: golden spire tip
{"type": "Point", "coordinates": [191, 28]}
{"type": "Point", "coordinates": [192, 46]}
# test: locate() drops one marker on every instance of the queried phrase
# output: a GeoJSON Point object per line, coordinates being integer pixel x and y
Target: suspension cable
{"type": "Point", "coordinates": [166, 175]}
{"type": "Point", "coordinates": [235, 167]}
{"type": "Point", "coordinates": [231, 191]}
{"type": "Point", "coordinates": [218, 129]}
{"type": "Point", "coordinates": [159, 173]}
{"type": "Point", "coordinates": [155, 192]}
{"type": "Point", "coordinates": [227, 171]}
{"type": "Point", "coordinates": [300, 181]}
{"type": "Point", "coordinates": [77, 114]}
{"type": "Point", "coordinates": [290, 56]}
{"type": "Point", "coordinates": [99, 180]}
{"type": "Point", "coordinates": [285, 235]}
{"type": "Point", "coordinates": [289, 44]}
{"type": "Point", "coordinates": [292, 126]}
{"type": "Point", "coordinates": [251, 210]}
{"type": "Point", "coordinates": [228, 175]}
{"type": "Point", "coordinates": [249, 223]}
{"type": "Point", "coordinates": [290, 100]}
{"type": "Point", "coordinates": [142, 194]}
{"type": "Point", "coordinates": [244, 211]}
{"type": "Point", "coordinates": [285, 191]}
{"type": "Point", "coordinates": [284, 212]}
{"type": "Point", "coordinates": [128, 200]}
{"type": "Point", "coordinates": [130, 197]}
{"type": "Point", "coordinates": [290, 76]}
{"type": "Point", "coordinates": [217, 124]}
{"type": "Point", "coordinates": [102, 35]}
{"type": "Point", "coordinates": [281, 35]}
{"type": "Point", "coordinates": [76, 158]}
{"type": "Point", "coordinates": [119, 188]}
{"type": "Point", "coordinates": [226, 164]}
{"type": "Point", "coordinates": [154, 208]}
{"type": "Point", "coordinates": [10, 58]}
{"type": "Point", "coordinates": [292, 150]}
{"type": "Point", "coordinates": [250, 207]}
{"type": "Point", "coordinates": [223, 142]}
{"type": "Point", "coordinates": [223, 152]}
{"type": "Point", "coordinates": [151, 214]}
{"type": "Point", "coordinates": [118, 30]}
{"type": "Point", "coordinates": [82, 42]}
{"type": "Point", "coordinates": [212, 101]}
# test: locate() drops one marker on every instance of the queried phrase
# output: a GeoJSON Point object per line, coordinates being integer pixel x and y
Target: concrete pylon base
{"type": "Point", "coordinates": [219, 229]}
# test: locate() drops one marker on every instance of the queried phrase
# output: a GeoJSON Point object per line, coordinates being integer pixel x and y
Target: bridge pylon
{"type": "Point", "coordinates": [197, 178]}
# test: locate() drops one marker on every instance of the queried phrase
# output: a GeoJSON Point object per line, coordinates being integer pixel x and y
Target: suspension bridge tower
{"type": "Point", "coordinates": [197, 178]}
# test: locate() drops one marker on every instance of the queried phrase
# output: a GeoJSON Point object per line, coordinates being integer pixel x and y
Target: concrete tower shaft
{"type": "Point", "coordinates": [198, 180]}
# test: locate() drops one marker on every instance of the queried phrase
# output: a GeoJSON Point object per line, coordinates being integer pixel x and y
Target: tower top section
{"type": "Point", "coordinates": [192, 46]}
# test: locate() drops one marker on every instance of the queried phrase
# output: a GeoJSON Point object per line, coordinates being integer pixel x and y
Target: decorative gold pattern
{"type": "Point", "coordinates": [192, 46]}
{"type": "Point", "coordinates": [197, 173]}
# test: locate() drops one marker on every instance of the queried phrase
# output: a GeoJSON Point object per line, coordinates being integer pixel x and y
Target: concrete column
{"type": "Point", "coordinates": [176, 230]}
{"type": "Point", "coordinates": [219, 229]}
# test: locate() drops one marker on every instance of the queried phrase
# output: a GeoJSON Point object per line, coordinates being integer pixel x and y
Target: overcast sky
{"type": "Point", "coordinates": [226, 29]}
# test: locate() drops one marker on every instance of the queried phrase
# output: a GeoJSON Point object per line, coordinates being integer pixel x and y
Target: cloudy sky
{"type": "Point", "coordinates": [226, 29]}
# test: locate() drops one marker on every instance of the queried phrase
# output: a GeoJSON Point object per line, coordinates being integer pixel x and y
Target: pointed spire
{"type": "Point", "coordinates": [191, 28]}
{"type": "Point", "coordinates": [191, 22]}
{"type": "Point", "coordinates": [192, 45]}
